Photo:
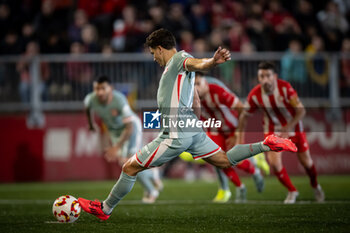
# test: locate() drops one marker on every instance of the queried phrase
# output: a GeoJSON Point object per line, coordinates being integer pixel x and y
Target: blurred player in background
{"type": "Point", "coordinates": [218, 102]}
{"type": "Point", "coordinates": [283, 112]}
{"type": "Point", "coordinates": [177, 95]}
{"type": "Point", "coordinates": [124, 131]}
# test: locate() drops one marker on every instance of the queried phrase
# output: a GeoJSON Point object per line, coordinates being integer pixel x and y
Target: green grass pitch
{"type": "Point", "coordinates": [181, 207]}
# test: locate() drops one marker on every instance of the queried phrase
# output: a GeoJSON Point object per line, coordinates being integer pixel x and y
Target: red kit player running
{"type": "Point", "coordinates": [218, 102]}
{"type": "Point", "coordinates": [283, 112]}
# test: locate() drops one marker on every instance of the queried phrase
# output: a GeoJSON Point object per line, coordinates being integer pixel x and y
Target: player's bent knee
{"type": "Point", "coordinates": [219, 160]}
{"type": "Point", "coordinates": [131, 167]}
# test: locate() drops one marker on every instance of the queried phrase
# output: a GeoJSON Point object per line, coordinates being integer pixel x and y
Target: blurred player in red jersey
{"type": "Point", "coordinates": [283, 112]}
{"type": "Point", "coordinates": [219, 102]}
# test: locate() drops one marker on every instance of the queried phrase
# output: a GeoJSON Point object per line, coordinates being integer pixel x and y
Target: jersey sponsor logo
{"type": "Point", "coordinates": [151, 119]}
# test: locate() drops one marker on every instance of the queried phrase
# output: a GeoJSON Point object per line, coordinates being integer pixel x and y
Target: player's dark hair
{"type": "Point", "coordinates": [161, 37]}
{"type": "Point", "coordinates": [102, 79]}
{"type": "Point", "coordinates": [267, 65]}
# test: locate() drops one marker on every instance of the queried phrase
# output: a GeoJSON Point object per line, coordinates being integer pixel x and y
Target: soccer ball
{"type": "Point", "coordinates": [66, 209]}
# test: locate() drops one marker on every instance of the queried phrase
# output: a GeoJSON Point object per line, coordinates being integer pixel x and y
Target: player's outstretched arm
{"type": "Point", "coordinates": [195, 64]}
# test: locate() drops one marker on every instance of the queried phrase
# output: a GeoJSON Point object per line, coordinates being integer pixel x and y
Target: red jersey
{"type": "Point", "coordinates": [276, 107]}
{"type": "Point", "coordinates": [219, 104]}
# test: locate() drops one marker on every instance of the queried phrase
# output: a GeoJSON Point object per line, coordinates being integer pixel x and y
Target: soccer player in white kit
{"type": "Point", "coordinates": [124, 131]}
{"type": "Point", "coordinates": [178, 101]}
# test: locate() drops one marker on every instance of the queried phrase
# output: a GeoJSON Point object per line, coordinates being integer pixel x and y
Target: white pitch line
{"type": "Point", "coordinates": [173, 202]}
{"type": "Point", "coordinates": [24, 202]}
{"type": "Point", "coordinates": [55, 222]}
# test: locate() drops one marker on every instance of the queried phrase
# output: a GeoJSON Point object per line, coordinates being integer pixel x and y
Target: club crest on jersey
{"type": "Point", "coordinates": [151, 119]}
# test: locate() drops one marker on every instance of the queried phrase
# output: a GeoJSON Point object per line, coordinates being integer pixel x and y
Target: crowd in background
{"type": "Point", "coordinates": [30, 27]}
{"type": "Point", "coordinates": [202, 25]}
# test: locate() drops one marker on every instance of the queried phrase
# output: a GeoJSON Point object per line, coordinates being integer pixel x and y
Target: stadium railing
{"type": "Point", "coordinates": [60, 82]}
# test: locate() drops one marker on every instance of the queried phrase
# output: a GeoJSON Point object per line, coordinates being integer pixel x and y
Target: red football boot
{"type": "Point", "coordinates": [279, 144]}
{"type": "Point", "coordinates": [93, 207]}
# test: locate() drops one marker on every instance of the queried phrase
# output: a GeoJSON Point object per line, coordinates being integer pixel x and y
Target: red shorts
{"type": "Point", "coordinates": [299, 140]}
{"type": "Point", "coordinates": [220, 139]}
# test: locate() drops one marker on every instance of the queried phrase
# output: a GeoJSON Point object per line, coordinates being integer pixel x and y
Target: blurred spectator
{"type": "Point", "coordinates": [5, 19]}
{"type": "Point", "coordinates": [74, 30]}
{"type": "Point", "coordinates": [186, 41]}
{"type": "Point", "coordinates": [247, 48]}
{"type": "Point", "coordinates": [157, 15]}
{"type": "Point", "coordinates": [305, 15]}
{"type": "Point", "coordinates": [345, 69]}
{"type": "Point", "coordinates": [237, 37]}
{"type": "Point", "coordinates": [28, 34]}
{"type": "Point", "coordinates": [200, 47]}
{"type": "Point", "coordinates": [79, 73]}
{"type": "Point", "coordinates": [54, 45]}
{"type": "Point", "coordinates": [311, 32]}
{"type": "Point", "coordinates": [283, 23]}
{"type": "Point", "coordinates": [102, 13]}
{"type": "Point", "coordinates": [258, 30]}
{"type": "Point", "coordinates": [127, 35]}
{"type": "Point", "coordinates": [199, 20]}
{"type": "Point", "coordinates": [317, 67]}
{"type": "Point", "coordinates": [146, 27]}
{"type": "Point", "coordinates": [334, 24]}
{"type": "Point", "coordinates": [176, 21]}
{"type": "Point", "coordinates": [107, 50]}
{"type": "Point", "coordinates": [332, 19]}
{"type": "Point", "coordinates": [107, 66]}
{"type": "Point", "coordinates": [293, 67]}
{"type": "Point", "coordinates": [49, 21]}
{"type": "Point", "coordinates": [265, 24]}
{"type": "Point", "coordinates": [89, 39]}
{"type": "Point", "coordinates": [216, 39]}
{"type": "Point", "coordinates": [343, 5]}
{"type": "Point", "coordinates": [244, 72]}
{"type": "Point", "coordinates": [11, 44]}
{"type": "Point", "coordinates": [95, 8]}
{"type": "Point", "coordinates": [239, 12]}
{"type": "Point", "coordinates": [23, 68]}
{"type": "Point", "coordinates": [220, 16]}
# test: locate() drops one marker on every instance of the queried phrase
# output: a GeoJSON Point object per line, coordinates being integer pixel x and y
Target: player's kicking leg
{"type": "Point", "coordinates": [103, 210]}
{"type": "Point", "coordinates": [243, 151]}
{"type": "Point", "coordinates": [161, 153]}
{"type": "Point", "coordinates": [154, 154]}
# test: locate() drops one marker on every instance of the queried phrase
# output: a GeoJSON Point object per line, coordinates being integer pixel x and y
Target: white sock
{"type": "Point", "coordinates": [257, 171]}
{"type": "Point", "coordinates": [106, 209]}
